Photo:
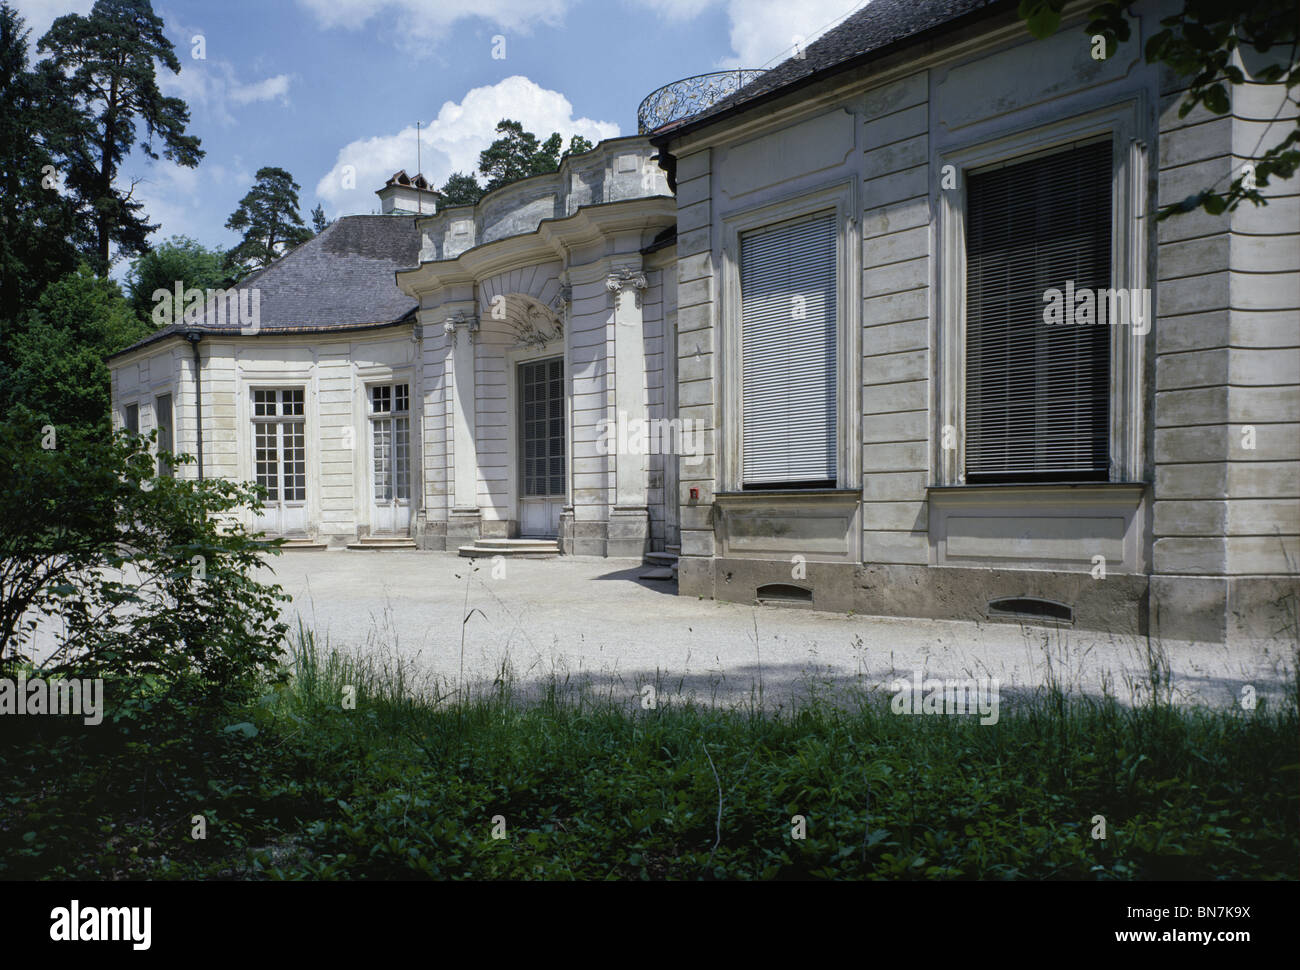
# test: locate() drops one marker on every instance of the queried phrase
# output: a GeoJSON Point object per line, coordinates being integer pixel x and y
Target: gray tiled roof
{"type": "Point", "coordinates": [344, 277]}
{"type": "Point", "coordinates": [341, 279]}
{"type": "Point", "coordinates": [880, 25]}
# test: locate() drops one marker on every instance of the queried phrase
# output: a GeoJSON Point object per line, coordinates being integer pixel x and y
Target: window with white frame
{"type": "Point", "coordinates": [390, 432]}
{"type": "Point", "coordinates": [280, 444]}
{"type": "Point", "coordinates": [1037, 355]}
{"type": "Point", "coordinates": [1044, 312]}
{"type": "Point", "coordinates": [789, 309]}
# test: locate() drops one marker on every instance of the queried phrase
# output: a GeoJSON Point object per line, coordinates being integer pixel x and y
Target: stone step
{"type": "Point", "coordinates": [676, 549]}
{"type": "Point", "coordinates": [663, 573]}
{"type": "Point", "coordinates": [540, 550]}
{"type": "Point", "coordinates": [386, 542]}
{"type": "Point", "coordinates": [661, 558]}
{"type": "Point", "coordinates": [522, 544]}
{"type": "Point", "coordinates": [304, 545]}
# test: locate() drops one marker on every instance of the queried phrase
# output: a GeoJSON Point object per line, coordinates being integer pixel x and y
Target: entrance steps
{"type": "Point", "coordinates": [663, 565]}
{"type": "Point", "coordinates": [383, 542]}
{"type": "Point", "coordinates": [512, 549]}
{"type": "Point", "coordinates": [303, 545]}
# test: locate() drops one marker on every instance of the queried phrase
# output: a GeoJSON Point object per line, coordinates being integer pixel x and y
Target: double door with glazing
{"type": "Point", "coordinates": [280, 460]}
{"type": "Point", "coordinates": [390, 458]}
{"type": "Point", "coordinates": [541, 447]}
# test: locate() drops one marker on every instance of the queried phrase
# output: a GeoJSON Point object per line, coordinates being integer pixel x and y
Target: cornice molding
{"type": "Point", "coordinates": [552, 240]}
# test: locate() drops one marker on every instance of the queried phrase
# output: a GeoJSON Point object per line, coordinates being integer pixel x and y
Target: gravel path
{"type": "Point", "coordinates": [592, 621]}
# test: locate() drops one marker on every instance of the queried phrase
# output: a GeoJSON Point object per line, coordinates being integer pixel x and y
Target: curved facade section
{"type": "Point", "coordinates": [547, 332]}
{"type": "Point", "coordinates": [617, 169]}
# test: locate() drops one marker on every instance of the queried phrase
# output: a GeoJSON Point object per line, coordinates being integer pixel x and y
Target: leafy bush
{"type": "Point", "coordinates": [130, 573]}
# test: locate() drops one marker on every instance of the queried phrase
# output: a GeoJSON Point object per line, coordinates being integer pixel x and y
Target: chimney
{"type": "Point", "coordinates": [403, 195]}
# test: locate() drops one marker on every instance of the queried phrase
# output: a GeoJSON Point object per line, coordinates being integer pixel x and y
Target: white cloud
{"type": "Point", "coordinates": [453, 140]}
{"type": "Point", "coordinates": [762, 31]}
{"type": "Point", "coordinates": [423, 20]}
{"type": "Point", "coordinates": [216, 86]}
{"type": "Point", "coordinates": [268, 90]}
{"type": "Point", "coordinates": [171, 197]}
{"type": "Point", "coordinates": [39, 14]}
{"type": "Point", "coordinates": [765, 32]}
{"type": "Point", "coordinates": [679, 9]}
{"type": "Point", "coordinates": [213, 84]}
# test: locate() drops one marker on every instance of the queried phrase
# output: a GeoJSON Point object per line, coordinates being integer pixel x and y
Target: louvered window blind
{"type": "Point", "coordinates": [788, 338]}
{"type": "Point", "coordinates": [1037, 394]}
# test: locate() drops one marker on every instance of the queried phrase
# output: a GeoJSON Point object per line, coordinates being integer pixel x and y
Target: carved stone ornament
{"type": "Point", "coordinates": [539, 329]}
{"type": "Point", "coordinates": [622, 279]}
{"type": "Point", "coordinates": [562, 299]}
{"type": "Point", "coordinates": [460, 321]}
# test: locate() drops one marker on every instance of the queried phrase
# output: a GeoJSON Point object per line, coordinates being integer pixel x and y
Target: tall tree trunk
{"type": "Point", "coordinates": [103, 219]}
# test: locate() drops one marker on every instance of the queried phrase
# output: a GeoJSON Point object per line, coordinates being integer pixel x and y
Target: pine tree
{"type": "Point", "coordinates": [578, 145]}
{"type": "Point", "coordinates": [517, 154]}
{"type": "Point", "coordinates": [101, 72]}
{"type": "Point", "coordinates": [269, 220]}
{"type": "Point", "coordinates": [39, 227]}
{"type": "Point", "coordinates": [510, 157]}
{"type": "Point", "coordinates": [461, 189]}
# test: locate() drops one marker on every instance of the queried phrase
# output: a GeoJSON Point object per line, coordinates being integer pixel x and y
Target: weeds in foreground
{"type": "Point", "coordinates": [360, 767]}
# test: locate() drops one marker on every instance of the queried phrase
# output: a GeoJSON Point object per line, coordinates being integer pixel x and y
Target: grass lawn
{"type": "Point", "coordinates": [349, 771]}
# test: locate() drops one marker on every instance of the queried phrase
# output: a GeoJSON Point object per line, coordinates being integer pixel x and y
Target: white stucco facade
{"type": "Point", "coordinates": [619, 277]}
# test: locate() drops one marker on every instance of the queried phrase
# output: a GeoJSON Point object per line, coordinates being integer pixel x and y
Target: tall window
{"type": "Point", "coordinates": [280, 444]}
{"type": "Point", "coordinates": [541, 420]}
{"type": "Point", "coordinates": [788, 309]}
{"type": "Point", "coordinates": [1038, 384]}
{"type": "Point", "coordinates": [162, 409]}
{"type": "Point", "coordinates": [131, 418]}
{"type": "Point", "coordinates": [390, 431]}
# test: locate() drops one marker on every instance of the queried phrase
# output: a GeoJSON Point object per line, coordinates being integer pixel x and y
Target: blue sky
{"type": "Point", "coordinates": [313, 86]}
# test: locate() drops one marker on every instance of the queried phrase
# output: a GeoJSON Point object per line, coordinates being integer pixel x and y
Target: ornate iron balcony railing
{"type": "Point", "coordinates": [689, 96]}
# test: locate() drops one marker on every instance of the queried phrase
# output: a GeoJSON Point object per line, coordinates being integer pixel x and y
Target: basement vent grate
{"type": "Point", "coordinates": [1031, 607]}
{"type": "Point", "coordinates": [783, 593]}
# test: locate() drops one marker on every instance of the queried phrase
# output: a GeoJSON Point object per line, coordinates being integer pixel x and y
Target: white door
{"type": "Point", "coordinates": [280, 460]}
{"type": "Point", "coordinates": [541, 447]}
{"type": "Point", "coordinates": [390, 459]}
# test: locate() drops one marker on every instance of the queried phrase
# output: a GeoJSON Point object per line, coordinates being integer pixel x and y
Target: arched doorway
{"type": "Point", "coordinates": [539, 412]}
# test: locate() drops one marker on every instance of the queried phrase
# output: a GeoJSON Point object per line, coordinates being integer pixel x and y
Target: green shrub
{"type": "Point", "coordinates": [134, 574]}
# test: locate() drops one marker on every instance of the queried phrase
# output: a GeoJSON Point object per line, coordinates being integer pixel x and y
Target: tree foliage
{"type": "Point", "coordinates": [461, 189]}
{"type": "Point", "coordinates": [319, 222]}
{"type": "Point", "coordinates": [134, 574]}
{"type": "Point", "coordinates": [578, 145]}
{"type": "Point", "coordinates": [517, 154]}
{"type": "Point", "coordinates": [180, 260]}
{"type": "Point", "coordinates": [40, 231]}
{"type": "Point", "coordinates": [269, 220]}
{"type": "Point", "coordinates": [59, 373]}
{"type": "Point", "coordinates": [1207, 41]}
{"type": "Point", "coordinates": [101, 71]}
